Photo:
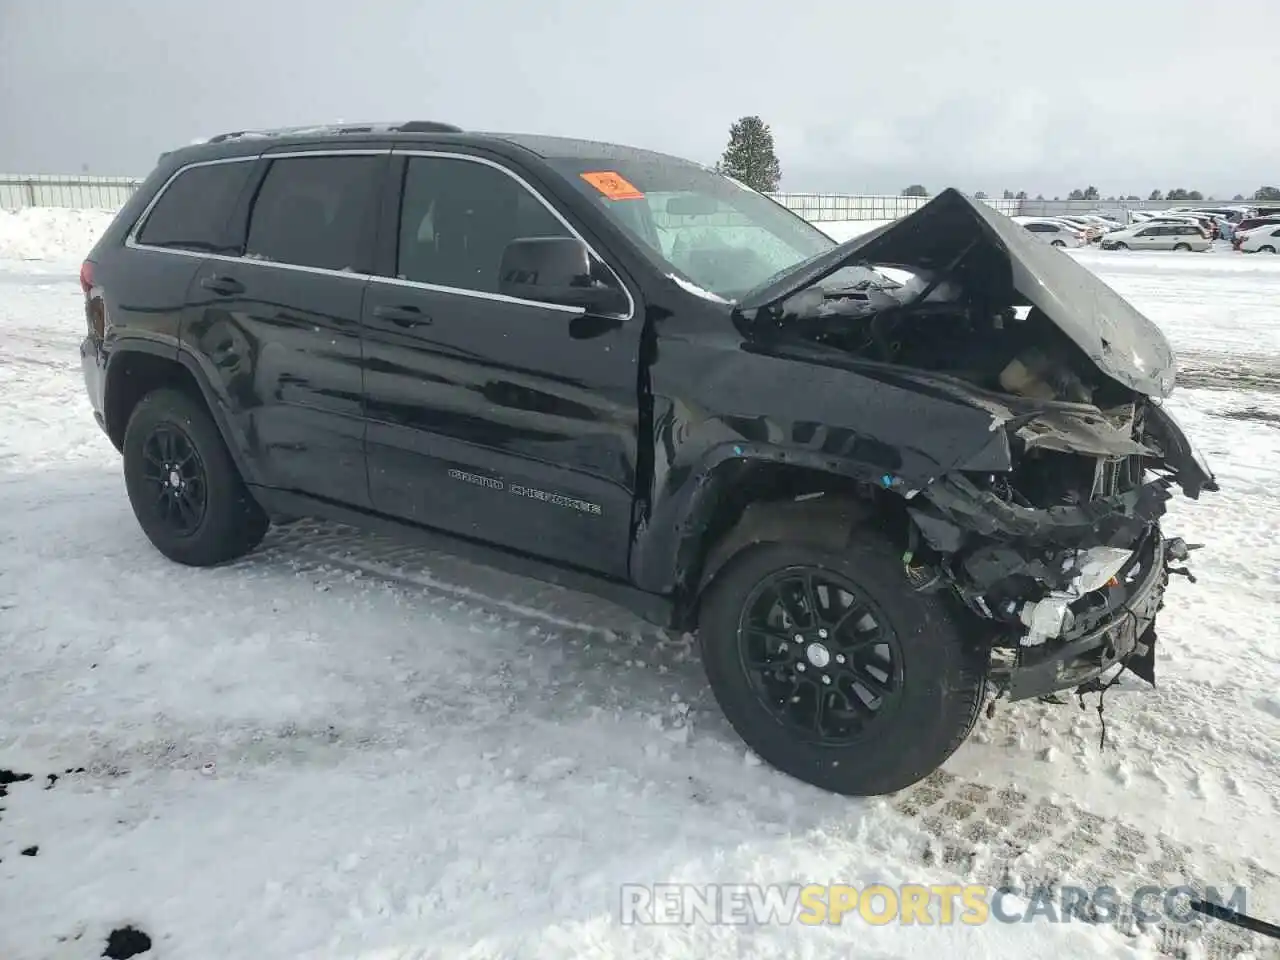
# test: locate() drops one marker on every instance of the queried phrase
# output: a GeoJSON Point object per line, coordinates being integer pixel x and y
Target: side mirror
{"type": "Point", "coordinates": [556, 270]}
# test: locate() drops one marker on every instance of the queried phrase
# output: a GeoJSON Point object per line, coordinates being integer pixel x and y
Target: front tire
{"type": "Point", "coordinates": [184, 487]}
{"type": "Point", "coordinates": [1267, 249]}
{"type": "Point", "coordinates": [1058, 243]}
{"type": "Point", "coordinates": [834, 670]}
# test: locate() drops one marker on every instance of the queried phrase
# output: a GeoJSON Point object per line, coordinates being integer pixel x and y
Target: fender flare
{"type": "Point", "coordinates": [177, 352]}
{"type": "Point", "coordinates": [667, 548]}
{"type": "Point", "coordinates": [826, 521]}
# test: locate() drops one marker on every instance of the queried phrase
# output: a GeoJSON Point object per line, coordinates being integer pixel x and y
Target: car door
{"type": "Point", "coordinates": [1193, 237]}
{"type": "Point", "coordinates": [507, 420]}
{"type": "Point", "coordinates": [1148, 238]}
{"type": "Point", "coordinates": [279, 324]}
{"type": "Point", "coordinates": [1041, 231]}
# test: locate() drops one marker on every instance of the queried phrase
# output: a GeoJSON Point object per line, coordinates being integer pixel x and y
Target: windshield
{"type": "Point", "coordinates": [705, 228]}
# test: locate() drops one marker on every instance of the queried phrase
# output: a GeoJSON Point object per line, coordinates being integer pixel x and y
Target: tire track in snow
{"type": "Point", "coordinates": [991, 836]}
{"type": "Point", "coordinates": [1005, 837]}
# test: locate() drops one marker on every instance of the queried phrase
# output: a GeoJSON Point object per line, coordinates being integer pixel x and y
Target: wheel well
{"type": "Point", "coordinates": [131, 376]}
{"type": "Point", "coordinates": [759, 502]}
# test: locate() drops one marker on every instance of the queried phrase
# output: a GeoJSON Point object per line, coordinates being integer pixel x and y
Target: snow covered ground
{"type": "Point", "coordinates": [345, 747]}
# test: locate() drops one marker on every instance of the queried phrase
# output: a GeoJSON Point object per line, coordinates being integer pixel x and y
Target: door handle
{"type": "Point", "coordinates": [226, 286]}
{"type": "Point", "coordinates": [402, 316]}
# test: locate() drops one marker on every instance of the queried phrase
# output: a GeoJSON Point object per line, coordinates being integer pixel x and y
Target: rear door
{"type": "Point", "coordinates": [1149, 238]}
{"type": "Point", "coordinates": [1192, 236]}
{"type": "Point", "coordinates": [279, 324]}
{"type": "Point", "coordinates": [507, 420]}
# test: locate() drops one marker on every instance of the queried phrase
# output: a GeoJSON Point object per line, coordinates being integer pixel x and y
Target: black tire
{"type": "Point", "coordinates": [1121, 246]}
{"type": "Point", "coordinates": [1058, 243]}
{"type": "Point", "coordinates": [941, 677]}
{"type": "Point", "coordinates": [223, 523]}
{"type": "Point", "coordinates": [1267, 249]}
{"type": "Point", "coordinates": [1182, 247]}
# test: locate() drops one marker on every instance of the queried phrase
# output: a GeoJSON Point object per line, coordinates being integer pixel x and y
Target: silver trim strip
{"type": "Point", "coordinates": [450, 155]}
{"type": "Point", "coordinates": [131, 240]}
{"type": "Point", "coordinates": [478, 294]}
{"type": "Point", "coordinates": [355, 152]}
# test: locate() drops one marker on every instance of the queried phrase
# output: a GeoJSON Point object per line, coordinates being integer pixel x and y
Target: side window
{"type": "Point", "coordinates": [1149, 232]}
{"type": "Point", "coordinates": [1188, 231]}
{"type": "Point", "coordinates": [316, 212]}
{"type": "Point", "coordinates": [1038, 227]}
{"type": "Point", "coordinates": [1275, 233]}
{"type": "Point", "coordinates": [456, 219]}
{"type": "Point", "coordinates": [192, 212]}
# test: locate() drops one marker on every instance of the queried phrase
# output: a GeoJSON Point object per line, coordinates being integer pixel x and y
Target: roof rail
{"type": "Point", "coordinates": [427, 126]}
{"type": "Point", "coordinates": [410, 126]}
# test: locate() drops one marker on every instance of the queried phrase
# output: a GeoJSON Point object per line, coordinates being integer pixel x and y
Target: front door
{"type": "Point", "coordinates": [280, 325]}
{"type": "Point", "coordinates": [506, 420]}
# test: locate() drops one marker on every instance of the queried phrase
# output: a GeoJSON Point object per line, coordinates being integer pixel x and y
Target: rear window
{"type": "Point", "coordinates": [192, 212]}
{"type": "Point", "coordinates": [317, 212]}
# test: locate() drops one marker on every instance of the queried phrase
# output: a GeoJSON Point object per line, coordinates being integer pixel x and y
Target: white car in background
{"type": "Point", "coordinates": [1159, 235]}
{"type": "Point", "coordinates": [1104, 224]}
{"type": "Point", "coordinates": [1057, 233]}
{"type": "Point", "coordinates": [1262, 239]}
{"type": "Point", "coordinates": [1092, 230]}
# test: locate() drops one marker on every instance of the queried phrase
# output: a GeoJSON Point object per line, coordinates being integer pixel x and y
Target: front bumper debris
{"type": "Point", "coordinates": [1066, 592]}
{"type": "Point", "coordinates": [1119, 631]}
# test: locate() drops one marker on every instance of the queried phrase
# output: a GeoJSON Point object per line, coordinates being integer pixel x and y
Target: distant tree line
{"type": "Point", "coordinates": [751, 159]}
{"type": "Point", "coordinates": [1269, 194]}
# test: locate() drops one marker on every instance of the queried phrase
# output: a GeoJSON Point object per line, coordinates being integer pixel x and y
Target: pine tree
{"type": "Point", "coordinates": [750, 157]}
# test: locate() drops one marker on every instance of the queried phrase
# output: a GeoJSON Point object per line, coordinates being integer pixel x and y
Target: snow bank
{"type": "Point", "coordinates": [50, 233]}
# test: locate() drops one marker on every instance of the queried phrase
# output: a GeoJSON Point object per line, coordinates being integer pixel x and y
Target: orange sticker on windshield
{"type": "Point", "coordinates": [612, 185]}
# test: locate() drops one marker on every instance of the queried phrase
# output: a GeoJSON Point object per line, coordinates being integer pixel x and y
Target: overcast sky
{"type": "Point", "coordinates": [862, 95]}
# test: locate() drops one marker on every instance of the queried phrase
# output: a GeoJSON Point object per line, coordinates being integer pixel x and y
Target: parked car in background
{"type": "Point", "coordinates": [1234, 214]}
{"type": "Point", "coordinates": [1251, 223]}
{"type": "Point", "coordinates": [1091, 230]}
{"type": "Point", "coordinates": [1200, 225]}
{"type": "Point", "coordinates": [1104, 223]}
{"type": "Point", "coordinates": [1158, 236]}
{"type": "Point", "coordinates": [1057, 233]}
{"type": "Point", "coordinates": [1261, 240]}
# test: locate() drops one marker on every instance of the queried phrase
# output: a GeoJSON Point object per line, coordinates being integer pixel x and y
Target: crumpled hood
{"type": "Point", "coordinates": [1120, 340]}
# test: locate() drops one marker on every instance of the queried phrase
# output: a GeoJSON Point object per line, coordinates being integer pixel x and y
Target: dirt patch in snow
{"type": "Point", "coordinates": [125, 942]}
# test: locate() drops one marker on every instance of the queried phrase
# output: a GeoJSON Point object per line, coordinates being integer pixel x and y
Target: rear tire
{"type": "Point", "coordinates": [929, 679]}
{"type": "Point", "coordinates": [184, 487]}
{"type": "Point", "coordinates": [1058, 243]}
{"type": "Point", "coordinates": [1182, 247]}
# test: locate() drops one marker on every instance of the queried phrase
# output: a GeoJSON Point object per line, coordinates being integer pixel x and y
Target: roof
{"type": "Point", "coordinates": [569, 148]}
{"type": "Point", "coordinates": [547, 147]}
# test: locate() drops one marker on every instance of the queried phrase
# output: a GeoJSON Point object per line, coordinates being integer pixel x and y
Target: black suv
{"type": "Point", "coordinates": [876, 478]}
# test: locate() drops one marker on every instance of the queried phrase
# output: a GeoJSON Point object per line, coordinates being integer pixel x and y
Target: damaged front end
{"type": "Point", "coordinates": [1049, 528]}
{"type": "Point", "coordinates": [1067, 591]}
{"type": "Point", "coordinates": [1060, 553]}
